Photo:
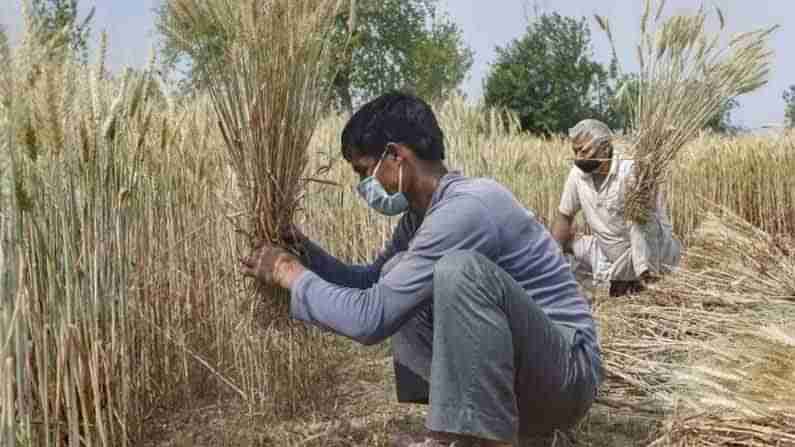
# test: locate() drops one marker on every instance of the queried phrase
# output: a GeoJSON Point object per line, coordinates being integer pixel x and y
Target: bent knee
{"type": "Point", "coordinates": [457, 271]}
{"type": "Point", "coordinates": [453, 265]}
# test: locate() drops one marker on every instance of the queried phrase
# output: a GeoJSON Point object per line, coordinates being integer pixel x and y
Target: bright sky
{"type": "Point", "coordinates": [488, 24]}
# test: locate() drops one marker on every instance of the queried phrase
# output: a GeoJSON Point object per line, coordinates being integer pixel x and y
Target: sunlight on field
{"type": "Point", "coordinates": [121, 299]}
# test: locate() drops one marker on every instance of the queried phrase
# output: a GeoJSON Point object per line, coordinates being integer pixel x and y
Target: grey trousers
{"type": "Point", "coordinates": [487, 359]}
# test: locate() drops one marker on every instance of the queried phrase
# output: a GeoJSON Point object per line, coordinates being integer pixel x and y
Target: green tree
{"type": "Point", "coordinates": [789, 100]}
{"type": "Point", "coordinates": [59, 19]}
{"type": "Point", "coordinates": [548, 77]}
{"type": "Point", "coordinates": [402, 44]}
{"type": "Point", "coordinates": [394, 44]}
{"type": "Point", "coordinates": [440, 62]}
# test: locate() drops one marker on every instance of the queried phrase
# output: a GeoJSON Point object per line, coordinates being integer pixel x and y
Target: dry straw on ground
{"type": "Point", "coordinates": [733, 263]}
{"type": "Point", "coordinates": [690, 354]}
{"type": "Point", "coordinates": [738, 392]}
{"type": "Point", "coordinates": [686, 76]}
{"type": "Point", "coordinates": [737, 388]}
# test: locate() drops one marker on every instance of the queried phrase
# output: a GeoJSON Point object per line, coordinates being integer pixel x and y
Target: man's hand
{"type": "Point", "coordinates": [292, 235]}
{"type": "Point", "coordinates": [270, 264]}
{"type": "Point", "coordinates": [563, 231]}
{"type": "Point", "coordinates": [647, 277]}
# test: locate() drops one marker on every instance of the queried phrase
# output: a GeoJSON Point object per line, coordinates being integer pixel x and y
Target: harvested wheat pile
{"type": "Point", "coordinates": [733, 263]}
{"type": "Point", "coordinates": [644, 341]}
{"type": "Point", "coordinates": [698, 331]}
{"type": "Point", "coordinates": [740, 392]}
{"type": "Point", "coordinates": [736, 388]}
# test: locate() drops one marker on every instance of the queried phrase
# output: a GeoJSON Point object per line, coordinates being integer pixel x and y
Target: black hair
{"type": "Point", "coordinates": [393, 118]}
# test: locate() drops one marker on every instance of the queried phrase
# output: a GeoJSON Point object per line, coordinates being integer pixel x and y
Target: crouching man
{"type": "Point", "coordinates": [624, 254]}
{"type": "Point", "coordinates": [486, 320]}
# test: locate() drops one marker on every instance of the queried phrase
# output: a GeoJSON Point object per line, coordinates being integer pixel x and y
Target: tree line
{"type": "Point", "coordinates": [548, 76]}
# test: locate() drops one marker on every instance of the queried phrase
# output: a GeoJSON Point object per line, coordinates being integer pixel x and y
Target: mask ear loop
{"type": "Point", "coordinates": [377, 165]}
{"type": "Point", "coordinates": [400, 170]}
{"type": "Point", "coordinates": [400, 179]}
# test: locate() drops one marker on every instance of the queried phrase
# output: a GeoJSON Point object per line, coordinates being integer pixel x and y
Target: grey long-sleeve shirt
{"type": "Point", "coordinates": [464, 213]}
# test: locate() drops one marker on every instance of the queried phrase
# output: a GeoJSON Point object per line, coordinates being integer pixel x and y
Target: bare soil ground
{"type": "Point", "coordinates": [365, 413]}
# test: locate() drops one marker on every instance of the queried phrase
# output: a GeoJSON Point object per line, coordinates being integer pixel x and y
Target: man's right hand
{"type": "Point", "coordinates": [563, 231]}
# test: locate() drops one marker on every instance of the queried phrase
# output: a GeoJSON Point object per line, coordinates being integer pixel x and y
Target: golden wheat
{"type": "Point", "coordinates": [686, 77]}
{"type": "Point", "coordinates": [130, 301]}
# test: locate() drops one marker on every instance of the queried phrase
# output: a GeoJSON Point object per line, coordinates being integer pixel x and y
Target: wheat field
{"type": "Point", "coordinates": [125, 321]}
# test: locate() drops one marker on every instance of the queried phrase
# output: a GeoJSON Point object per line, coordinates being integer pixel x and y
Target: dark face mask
{"type": "Point", "coordinates": [587, 166]}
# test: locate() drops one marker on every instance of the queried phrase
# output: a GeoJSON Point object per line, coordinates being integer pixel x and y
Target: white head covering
{"type": "Point", "coordinates": [595, 131]}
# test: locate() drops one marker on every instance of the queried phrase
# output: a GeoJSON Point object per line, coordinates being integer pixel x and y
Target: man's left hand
{"type": "Point", "coordinates": [270, 264]}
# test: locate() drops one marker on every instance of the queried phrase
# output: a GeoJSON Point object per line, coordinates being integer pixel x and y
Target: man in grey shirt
{"type": "Point", "coordinates": [486, 320]}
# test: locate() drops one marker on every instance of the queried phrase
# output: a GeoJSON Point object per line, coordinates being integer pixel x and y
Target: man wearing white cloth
{"type": "Point", "coordinates": [624, 255]}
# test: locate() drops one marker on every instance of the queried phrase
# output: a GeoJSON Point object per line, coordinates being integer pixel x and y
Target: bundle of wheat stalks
{"type": "Point", "coordinates": [735, 280]}
{"type": "Point", "coordinates": [686, 77]}
{"type": "Point", "coordinates": [267, 67]}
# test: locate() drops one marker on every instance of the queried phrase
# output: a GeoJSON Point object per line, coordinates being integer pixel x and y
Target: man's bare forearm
{"type": "Point", "coordinates": [562, 231]}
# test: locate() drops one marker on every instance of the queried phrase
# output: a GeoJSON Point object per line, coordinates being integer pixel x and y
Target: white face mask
{"type": "Point", "coordinates": [373, 192]}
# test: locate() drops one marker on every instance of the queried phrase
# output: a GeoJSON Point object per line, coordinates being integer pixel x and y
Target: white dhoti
{"type": "Point", "coordinates": [593, 267]}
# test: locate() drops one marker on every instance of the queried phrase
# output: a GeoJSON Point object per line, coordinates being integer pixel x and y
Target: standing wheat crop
{"type": "Point", "coordinates": [267, 66]}
{"type": "Point", "coordinates": [9, 272]}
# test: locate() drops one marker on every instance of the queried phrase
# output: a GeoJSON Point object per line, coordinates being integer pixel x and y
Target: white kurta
{"type": "Point", "coordinates": [618, 250]}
